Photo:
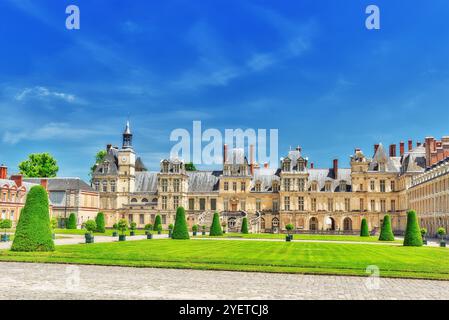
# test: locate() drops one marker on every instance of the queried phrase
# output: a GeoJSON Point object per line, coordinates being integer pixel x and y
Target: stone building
{"type": "Point", "coordinates": [429, 193]}
{"type": "Point", "coordinates": [313, 199]}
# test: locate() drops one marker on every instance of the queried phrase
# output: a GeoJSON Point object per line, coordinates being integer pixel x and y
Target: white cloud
{"type": "Point", "coordinates": [43, 93]}
{"type": "Point", "coordinates": [50, 131]}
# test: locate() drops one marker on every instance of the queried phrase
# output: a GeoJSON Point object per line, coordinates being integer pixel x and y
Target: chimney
{"type": "Point", "coordinates": [393, 150]}
{"type": "Point", "coordinates": [402, 148]}
{"type": "Point", "coordinates": [3, 172]}
{"type": "Point", "coordinates": [336, 168]}
{"type": "Point", "coordinates": [430, 148]}
{"type": "Point", "coordinates": [225, 153]}
{"type": "Point", "coordinates": [251, 159]}
{"type": "Point", "coordinates": [419, 144]}
{"type": "Point", "coordinates": [440, 154]}
{"type": "Point", "coordinates": [410, 145]}
{"type": "Point", "coordinates": [312, 166]}
{"type": "Point", "coordinates": [376, 146]}
{"type": "Point", "coordinates": [298, 148]}
{"type": "Point", "coordinates": [265, 165]}
{"type": "Point", "coordinates": [44, 183]}
{"type": "Point", "coordinates": [18, 179]}
{"type": "Point", "coordinates": [108, 147]}
{"type": "Point", "coordinates": [446, 149]}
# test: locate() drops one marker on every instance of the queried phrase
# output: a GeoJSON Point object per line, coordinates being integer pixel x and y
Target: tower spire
{"type": "Point", "coordinates": [127, 137]}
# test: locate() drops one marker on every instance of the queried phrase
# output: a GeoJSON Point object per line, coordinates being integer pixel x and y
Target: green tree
{"type": "Point", "coordinates": [157, 222]}
{"type": "Point", "coordinates": [90, 226]}
{"type": "Point", "coordinates": [71, 224]}
{"type": "Point", "coordinates": [99, 157]}
{"type": "Point", "coordinates": [180, 230]}
{"type": "Point", "coordinates": [244, 228]}
{"type": "Point", "coordinates": [122, 226]}
{"type": "Point", "coordinates": [39, 165]}
{"type": "Point", "coordinates": [386, 233]}
{"type": "Point", "coordinates": [289, 227]}
{"type": "Point", "coordinates": [215, 229]}
{"type": "Point", "coordinates": [33, 231]}
{"type": "Point", "coordinates": [413, 236]}
{"type": "Point", "coordinates": [441, 232]}
{"type": "Point", "coordinates": [364, 231]}
{"type": "Point", "coordinates": [190, 167]}
{"type": "Point", "coordinates": [99, 220]}
{"type": "Point", "coordinates": [5, 224]}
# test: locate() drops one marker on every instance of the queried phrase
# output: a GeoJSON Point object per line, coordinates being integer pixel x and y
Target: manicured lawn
{"type": "Point", "coordinates": [263, 256]}
{"type": "Point", "coordinates": [306, 237]}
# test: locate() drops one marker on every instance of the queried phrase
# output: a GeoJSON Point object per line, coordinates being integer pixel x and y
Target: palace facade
{"type": "Point", "coordinates": [331, 199]}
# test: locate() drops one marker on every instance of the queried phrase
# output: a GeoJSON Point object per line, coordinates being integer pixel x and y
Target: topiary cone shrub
{"type": "Point", "coordinates": [215, 229]}
{"type": "Point", "coordinates": [180, 230]}
{"type": "Point", "coordinates": [157, 223]}
{"type": "Point", "coordinates": [99, 220]}
{"type": "Point", "coordinates": [364, 232]}
{"type": "Point", "coordinates": [413, 236]}
{"type": "Point", "coordinates": [244, 229]}
{"type": "Point", "coordinates": [33, 231]}
{"type": "Point", "coordinates": [71, 224]}
{"type": "Point", "coordinates": [386, 233]}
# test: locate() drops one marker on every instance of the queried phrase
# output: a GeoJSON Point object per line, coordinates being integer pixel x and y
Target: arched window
{"type": "Point", "coordinates": [155, 200]}
{"type": "Point", "coordinates": [144, 200]}
{"type": "Point", "coordinates": [275, 222]}
{"type": "Point", "coordinates": [133, 200]}
{"type": "Point", "coordinates": [232, 222]}
{"type": "Point", "coordinates": [313, 224]}
{"type": "Point", "coordinates": [347, 224]}
{"type": "Point", "coordinates": [262, 223]}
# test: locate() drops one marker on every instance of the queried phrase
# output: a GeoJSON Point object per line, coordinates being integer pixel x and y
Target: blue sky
{"type": "Point", "coordinates": [308, 68]}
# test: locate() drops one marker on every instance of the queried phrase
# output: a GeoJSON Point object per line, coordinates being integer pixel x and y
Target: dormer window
{"type": "Point", "coordinates": [314, 186]}
{"type": "Point", "coordinates": [275, 186]}
{"type": "Point", "coordinates": [342, 186]}
{"type": "Point", "coordinates": [301, 165]}
{"type": "Point", "coordinates": [327, 186]}
{"type": "Point", "coordinates": [165, 167]}
{"type": "Point", "coordinates": [381, 166]}
{"type": "Point", "coordinates": [258, 186]}
{"type": "Point", "coordinates": [286, 165]}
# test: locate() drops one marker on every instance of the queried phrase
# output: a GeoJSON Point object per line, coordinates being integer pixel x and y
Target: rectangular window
{"type": "Point", "coordinates": [347, 204]}
{"type": "Point", "coordinates": [243, 186]}
{"type": "Point", "coordinates": [225, 204]}
{"type": "Point", "coordinates": [164, 219]}
{"type": "Point", "coordinates": [393, 186]}
{"type": "Point", "coordinates": [393, 206]}
{"type": "Point", "coordinates": [176, 185]}
{"type": "Point", "coordinates": [287, 184]}
{"type": "Point", "coordinates": [175, 202]}
{"type": "Point", "coordinates": [301, 185]}
{"type": "Point", "coordinates": [234, 186]}
{"type": "Point", "coordinates": [226, 186]}
{"type": "Point", "coordinates": [275, 205]}
{"type": "Point", "coordinates": [202, 204]}
{"type": "Point", "coordinates": [213, 204]}
{"type": "Point", "coordinates": [382, 185]}
{"type": "Point", "coordinates": [383, 206]}
{"type": "Point", "coordinates": [372, 185]}
{"type": "Point", "coordinates": [373, 205]}
{"type": "Point", "coordinates": [330, 204]}
{"type": "Point", "coordinates": [362, 205]}
{"type": "Point", "coordinates": [141, 219]}
{"type": "Point", "coordinates": [287, 203]}
{"type": "Point", "coordinates": [164, 202]}
{"type": "Point", "coordinates": [243, 205]}
{"type": "Point", "coordinates": [191, 204]}
{"type": "Point", "coordinates": [314, 204]}
{"type": "Point", "coordinates": [258, 204]}
{"type": "Point", "coordinates": [164, 185]}
{"type": "Point", "coordinates": [130, 218]}
{"type": "Point", "coordinates": [301, 203]}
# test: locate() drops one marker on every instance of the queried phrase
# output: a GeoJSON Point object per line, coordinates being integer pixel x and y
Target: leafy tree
{"type": "Point", "coordinates": [423, 232]}
{"type": "Point", "coordinates": [364, 231]}
{"type": "Point", "coordinates": [33, 231]}
{"type": "Point", "coordinates": [215, 229]}
{"type": "Point", "coordinates": [159, 229]}
{"type": "Point", "coordinates": [133, 226]}
{"type": "Point", "coordinates": [195, 228]}
{"type": "Point", "coordinates": [39, 165]}
{"type": "Point", "coordinates": [190, 167]}
{"type": "Point", "coordinates": [157, 222]}
{"type": "Point", "coordinates": [90, 226]}
{"type": "Point", "coordinates": [386, 233]}
{"type": "Point", "coordinates": [244, 228]}
{"type": "Point", "coordinates": [289, 228]}
{"type": "Point", "coordinates": [71, 224]}
{"type": "Point", "coordinates": [99, 157]}
{"type": "Point", "coordinates": [441, 232]}
{"type": "Point", "coordinates": [148, 227]}
{"type": "Point", "coordinates": [5, 224]}
{"type": "Point", "coordinates": [99, 220]}
{"type": "Point", "coordinates": [413, 236]}
{"type": "Point", "coordinates": [122, 226]}
{"type": "Point", "coordinates": [180, 230]}
{"type": "Point", "coordinates": [53, 224]}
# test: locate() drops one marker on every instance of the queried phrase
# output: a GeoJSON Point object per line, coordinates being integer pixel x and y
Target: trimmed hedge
{"type": "Point", "coordinates": [386, 233]}
{"type": "Point", "coordinates": [244, 229]}
{"type": "Point", "coordinates": [99, 220]}
{"type": "Point", "coordinates": [157, 222]}
{"type": "Point", "coordinates": [364, 231]}
{"type": "Point", "coordinates": [413, 236]}
{"type": "Point", "coordinates": [215, 228]}
{"type": "Point", "coordinates": [71, 224]}
{"type": "Point", "coordinates": [33, 231]}
{"type": "Point", "coordinates": [180, 230]}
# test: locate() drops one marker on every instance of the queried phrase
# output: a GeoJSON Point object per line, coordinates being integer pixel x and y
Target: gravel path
{"type": "Point", "coordinates": [53, 281]}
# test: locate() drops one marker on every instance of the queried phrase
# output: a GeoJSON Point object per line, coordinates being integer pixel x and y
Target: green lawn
{"type": "Point", "coordinates": [306, 237]}
{"type": "Point", "coordinates": [263, 256]}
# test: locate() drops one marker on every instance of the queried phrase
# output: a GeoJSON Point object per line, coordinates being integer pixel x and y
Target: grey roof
{"type": "Point", "coordinates": [11, 183]}
{"type": "Point", "coordinates": [391, 164]}
{"type": "Point", "coordinates": [414, 161]}
{"type": "Point", "coordinates": [127, 128]}
{"type": "Point", "coordinates": [146, 182]}
{"type": "Point", "coordinates": [140, 166]}
{"type": "Point", "coordinates": [266, 177]}
{"type": "Point", "coordinates": [108, 166]}
{"type": "Point", "coordinates": [62, 184]}
{"type": "Point", "coordinates": [204, 181]}
{"type": "Point", "coordinates": [323, 175]}
{"type": "Point", "coordinates": [294, 156]}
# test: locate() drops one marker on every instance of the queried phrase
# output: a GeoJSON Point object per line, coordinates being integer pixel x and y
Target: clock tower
{"type": "Point", "coordinates": [127, 167]}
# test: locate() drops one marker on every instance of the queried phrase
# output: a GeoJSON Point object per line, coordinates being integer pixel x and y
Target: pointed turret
{"type": "Point", "coordinates": [127, 137]}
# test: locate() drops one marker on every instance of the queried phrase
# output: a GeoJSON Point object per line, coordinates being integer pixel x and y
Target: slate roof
{"type": "Point", "coordinates": [108, 166]}
{"type": "Point", "coordinates": [391, 164]}
{"type": "Point", "coordinates": [146, 182]}
{"type": "Point", "coordinates": [414, 161]}
{"type": "Point", "coordinates": [266, 177]}
{"type": "Point", "coordinates": [323, 175]}
{"type": "Point", "coordinates": [204, 181]}
{"type": "Point", "coordinates": [62, 184]}
{"type": "Point", "coordinates": [11, 183]}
